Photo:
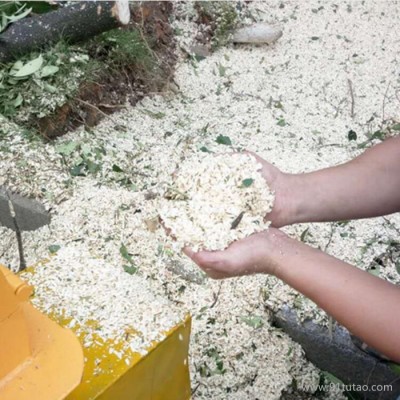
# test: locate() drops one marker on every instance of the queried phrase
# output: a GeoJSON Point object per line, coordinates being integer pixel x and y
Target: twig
{"type": "Point", "coordinates": [22, 262]}
{"type": "Point", "coordinates": [352, 97]}
{"type": "Point", "coordinates": [330, 237]}
{"type": "Point", "coordinates": [216, 296]}
{"type": "Point", "coordinates": [111, 105]}
{"type": "Point", "coordinates": [195, 389]}
{"type": "Point", "coordinates": [95, 108]}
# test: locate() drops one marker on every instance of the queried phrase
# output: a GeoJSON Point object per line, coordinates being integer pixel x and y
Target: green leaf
{"type": "Point", "coordinates": [16, 17]}
{"type": "Point", "coordinates": [247, 182]}
{"type": "Point", "coordinates": [352, 135]}
{"type": "Point", "coordinates": [17, 66]}
{"type": "Point", "coordinates": [204, 149]}
{"type": "Point", "coordinates": [281, 122]}
{"type": "Point", "coordinates": [130, 269]}
{"type": "Point", "coordinates": [395, 127]}
{"type": "Point", "coordinates": [54, 248]}
{"type": "Point", "coordinates": [49, 88]}
{"type": "Point", "coordinates": [29, 68]}
{"type": "Point", "coordinates": [92, 166]}
{"type": "Point", "coordinates": [116, 168]}
{"type": "Point", "coordinates": [18, 100]}
{"type": "Point", "coordinates": [125, 254]}
{"type": "Point", "coordinates": [66, 149]}
{"type": "Point", "coordinates": [48, 70]}
{"type": "Point", "coordinates": [221, 139]}
{"type": "Point", "coordinates": [254, 321]}
{"type": "Point", "coordinates": [78, 170]}
{"type": "Point", "coordinates": [221, 70]}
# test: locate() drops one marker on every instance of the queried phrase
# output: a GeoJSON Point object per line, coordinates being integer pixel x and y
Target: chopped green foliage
{"type": "Point", "coordinates": [204, 149]}
{"type": "Point", "coordinates": [131, 268]}
{"type": "Point", "coordinates": [352, 135]}
{"type": "Point", "coordinates": [54, 248]}
{"type": "Point", "coordinates": [247, 182]}
{"type": "Point", "coordinates": [155, 115]}
{"type": "Point", "coordinates": [221, 70]}
{"type": "Point", "coordinates": [395, 127]}
{"type": "Point", "coordinates": [221, 139]}
{"type": "Point", "coordinates": [66, 149]}
{"type": "Point", "coordinates": [38, 83]}
{"type": "Point", "coordinates": [254, 321]}
{"type": "Point", "coordinates": [20, 70]}
{"type": "Point", "coordinates": [116, 168]}
{"type": "Point", "coordinates": [380, 135]}
{"type": "Point", "coordinates": [81, 158]}
{"type": "Point", "coordinates": [281, 122]}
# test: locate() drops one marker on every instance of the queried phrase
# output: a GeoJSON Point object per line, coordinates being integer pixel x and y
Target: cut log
{"type": "Point", "coordinates": [73, 23]}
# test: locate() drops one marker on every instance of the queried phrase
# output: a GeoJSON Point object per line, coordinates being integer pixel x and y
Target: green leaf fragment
{"type": "Point", "coordinates": [116, 168]}
{"type": "Point", "coordinates": [253, 321]}
{"type": "Point", "coordinates": [247, 182]}
{"type": "Point", "coordinates": [352, 135]}
{"type": "Point", "coordinates": [54, 248]}
{"type": "Point", "coordinates": [130, 269]}
{"type": "Point", "coordinates": [125, 254]}
{"type": "Point", "coordinates": [66, 149]}
{"type": "Point", "coordinates": [18, 100]}
{"type": "Point", "coordinates": [226, 140]}
{"type": "Point", "coordinates": [48, 70]}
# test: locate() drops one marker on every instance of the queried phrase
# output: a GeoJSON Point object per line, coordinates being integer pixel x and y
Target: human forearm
{"type": "Point", "coordinates": [367, 186]}
{"type": "Point", "coordinates": [366, 305]}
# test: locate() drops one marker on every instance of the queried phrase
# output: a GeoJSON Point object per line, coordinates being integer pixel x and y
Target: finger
{"type": "Point", "coordinates": [256, 156]}
{"type": "Point", "coordinates": [189, 252]}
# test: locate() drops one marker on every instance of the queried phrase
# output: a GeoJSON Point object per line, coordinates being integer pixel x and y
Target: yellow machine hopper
{"type": "Point", "coordinates": [42, 360]}
{"type": "Point", "coordinates": [38, 358]}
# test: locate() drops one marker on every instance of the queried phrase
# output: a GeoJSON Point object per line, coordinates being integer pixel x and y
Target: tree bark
{"type": "Point", "coordinates": [72, 23]}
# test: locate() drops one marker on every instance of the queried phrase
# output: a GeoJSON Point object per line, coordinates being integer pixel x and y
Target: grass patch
{"type": "Point", "coordinates": [123, 47]}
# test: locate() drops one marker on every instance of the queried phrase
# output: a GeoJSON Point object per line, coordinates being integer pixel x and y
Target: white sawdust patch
{"type": "Point", "coordinates": [81, 288]}
{"type": "Point", "coordinates": [214, 200]}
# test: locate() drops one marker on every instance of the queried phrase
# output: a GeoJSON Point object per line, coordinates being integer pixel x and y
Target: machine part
{"type": "Point", "coordinates": [39, 359]}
